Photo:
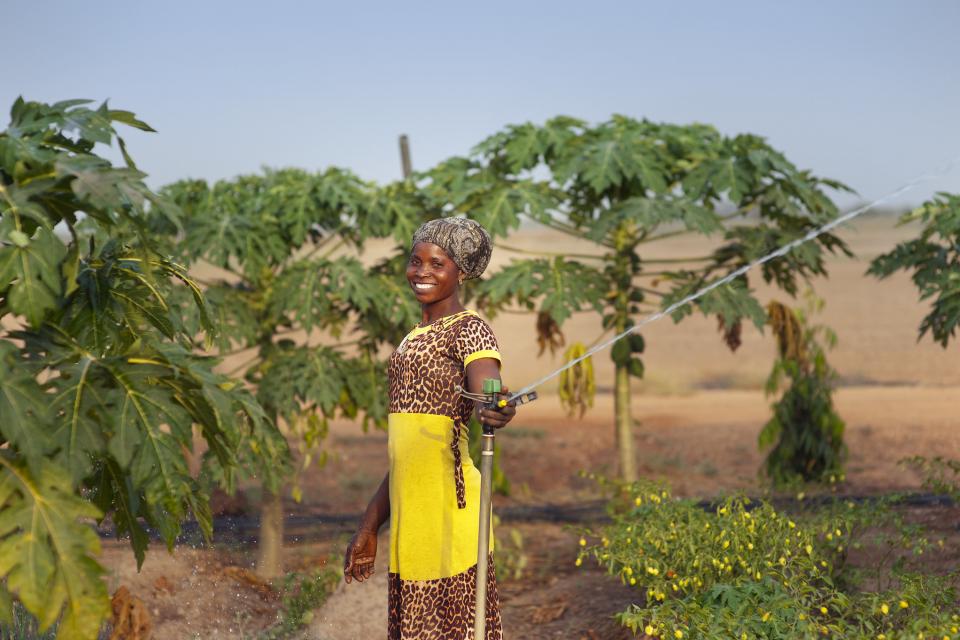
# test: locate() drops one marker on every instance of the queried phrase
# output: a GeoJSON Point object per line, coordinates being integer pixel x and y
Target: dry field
{"type": "Point", "coordinates": [697, 413]}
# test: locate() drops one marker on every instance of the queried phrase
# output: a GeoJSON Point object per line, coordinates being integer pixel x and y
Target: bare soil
{"type": "Point", "coordinates": [697, 413]}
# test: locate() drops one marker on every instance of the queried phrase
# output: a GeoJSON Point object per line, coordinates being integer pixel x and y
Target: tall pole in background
{"type": "Point", "coordinates": [405, 162]}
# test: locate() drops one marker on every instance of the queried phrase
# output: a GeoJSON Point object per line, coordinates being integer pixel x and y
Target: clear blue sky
{"type": "Point", "coordinates": [866, 92]}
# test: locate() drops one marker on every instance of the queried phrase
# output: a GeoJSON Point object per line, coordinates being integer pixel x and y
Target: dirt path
{"type": "Point", "coordinates": [356, 610]}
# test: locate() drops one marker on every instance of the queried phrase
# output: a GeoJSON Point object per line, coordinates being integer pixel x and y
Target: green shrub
{"type": "Point", "coordinates": [745, 570]}
{"type": "Point", "coordinates": [940, 475]}
{"type": "Point", "coordinates": [509, 552]}
{"type": "Point", "coordinates": [301, 594]}
{"type": "Point", "coordinates": [805, 433]}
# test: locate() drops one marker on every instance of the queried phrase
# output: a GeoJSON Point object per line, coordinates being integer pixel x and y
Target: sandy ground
{"type": "Point", "coordinates": [698, 413]}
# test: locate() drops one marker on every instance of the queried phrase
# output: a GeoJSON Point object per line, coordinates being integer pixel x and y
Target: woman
{"type": "Point", "coordinates": [432, 490]}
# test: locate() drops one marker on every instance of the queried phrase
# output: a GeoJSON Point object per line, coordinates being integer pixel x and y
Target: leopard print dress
{"type": "Point", "coordinates": [434, 486]}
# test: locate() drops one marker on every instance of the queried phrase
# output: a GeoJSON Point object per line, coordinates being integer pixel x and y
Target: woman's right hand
{"type": "Point", "coordinates": [361, 554]}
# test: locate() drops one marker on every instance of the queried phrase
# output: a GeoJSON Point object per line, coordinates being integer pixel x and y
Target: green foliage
{"type": "Point", "coordinates": [744, 570]}
{"type": "Point", "coordinates": [622, 184]}
{"type": "Point", "coordinates": [940, 475]}
{"type": "Point", "coordinates": [562, 287]}
{"type": "Point", "coordinates": [287, 245]}
{"type": "Point", "coordinates": [100, 391]}
{"type": "Point", "coordinates": [301, 594]}
{"type": "Point", "coordinates": [805, 432]}
{"type": "Point", "coordinates": [510, 554]}
{"type": "Point", "coordinates": [934, 259]}
{"type": "Point", "coordinates": [619, 184]}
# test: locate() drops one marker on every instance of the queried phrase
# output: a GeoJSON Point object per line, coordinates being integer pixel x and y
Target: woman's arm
{"type": "Point", "coordinates": [379, 508]}
{"type": "Point", "coordinates": [358, 562]}
{"type": "Point", "coordinates": [478, 371]}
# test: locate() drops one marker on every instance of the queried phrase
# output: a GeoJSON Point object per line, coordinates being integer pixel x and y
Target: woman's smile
{"type": "Point", "coordinates": [433, 276]}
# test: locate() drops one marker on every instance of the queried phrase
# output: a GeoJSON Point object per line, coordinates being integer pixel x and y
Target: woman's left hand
{"type": "Point", "coordinates": [498, 418]}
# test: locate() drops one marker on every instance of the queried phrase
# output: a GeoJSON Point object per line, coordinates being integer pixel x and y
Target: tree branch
{"type": "Point", "coordinates": [567, 229]}
{"type": "Point", "coordinates": [678, 260]}
{"type": "Point", "coordinates": [680, 232]}
{"type": "Point", "coordinates": [547, 254]}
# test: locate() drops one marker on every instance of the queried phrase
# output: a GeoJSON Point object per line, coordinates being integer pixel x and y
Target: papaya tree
{"type": "Point", "coordinates": [933, 258]}
{"type": "Point", "coordinates": [298, 307]}
{"type": "Point", "coordinates": [101, 385]}
{"type": "Point", "coordinates": [622, 185]}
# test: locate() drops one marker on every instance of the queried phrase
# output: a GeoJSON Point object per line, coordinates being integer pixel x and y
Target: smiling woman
{"type": "Point", "coordinates": [431, 493]}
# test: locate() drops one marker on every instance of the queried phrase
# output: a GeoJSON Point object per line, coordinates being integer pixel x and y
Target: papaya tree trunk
{"type": "Point", "coordinates": [270, 559]}
{"type": "Point", "coordinates": [624, 424]}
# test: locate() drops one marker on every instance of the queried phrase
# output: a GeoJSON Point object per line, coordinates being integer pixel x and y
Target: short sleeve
{"type": "Point", "coordinates": [475, 340]}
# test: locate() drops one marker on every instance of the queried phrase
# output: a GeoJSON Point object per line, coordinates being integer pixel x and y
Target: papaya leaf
{"type": "Point", "coordinates": [24, 408]}
{"type": "Point", "coordinates": [48, 551]}
{"type": "Point", "coordinates": [31, 268]}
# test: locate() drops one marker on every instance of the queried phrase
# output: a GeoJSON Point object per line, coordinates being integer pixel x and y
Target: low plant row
{"type": "Point", "coordinates": [745, 570]}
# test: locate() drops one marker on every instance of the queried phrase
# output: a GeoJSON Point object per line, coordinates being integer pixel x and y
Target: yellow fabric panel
{"type": "Point", "coordinates": [476, 355]}
{"type": "Point", "coordinates": [430, 537]}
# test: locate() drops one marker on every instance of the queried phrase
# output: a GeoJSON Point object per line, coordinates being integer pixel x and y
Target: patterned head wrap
{"type": "Point", "coordinates": [466, 242]}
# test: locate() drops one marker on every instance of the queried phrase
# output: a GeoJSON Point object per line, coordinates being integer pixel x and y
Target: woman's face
{"type": "Point", "coordinates": [432, 275]}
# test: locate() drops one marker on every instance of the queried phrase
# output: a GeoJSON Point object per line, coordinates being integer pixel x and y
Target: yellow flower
{"type": "Point", "coordinates": [838, 533]}
{"type": "Point", "coordinates": [809, 549]}
{"type": "Point", "coordinates": [648, 630]}
{"type": "Point", "coordinates": [802, 616]}
{"type": "Point", "coordinates": [884, 609]}
{"type": "Point", "coordinates": [823, 610]}
{"type": "Point", "coordinates": [653, 571]}
{"type": "Point", "coordinates": [579, 562]}
{"type": "Point", "coordinates": [750, 545]}
{"type": "Point", "coordinates": [782, 561]}
{"type": "Point", "coordinates": [606, 542]}
{"type": "Point", "coordinates": [638, 501]}
{"type": "Point", "coordinates": [628, 571]}
{"type": "Point", "coordinates": [791, 524]}
{"type": "Point", "coordinates": [678, 633]}
{"type": "Point", "coordinates": [726, 544]}
{"type": "Point", "coordinates": [766, 616]}
{"type": "Point", "coordinates": [904, 604]}
{"type": "Point", "coordinates": [633, 581]}
{"type": "Point", "coordinates": [583, 542]}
